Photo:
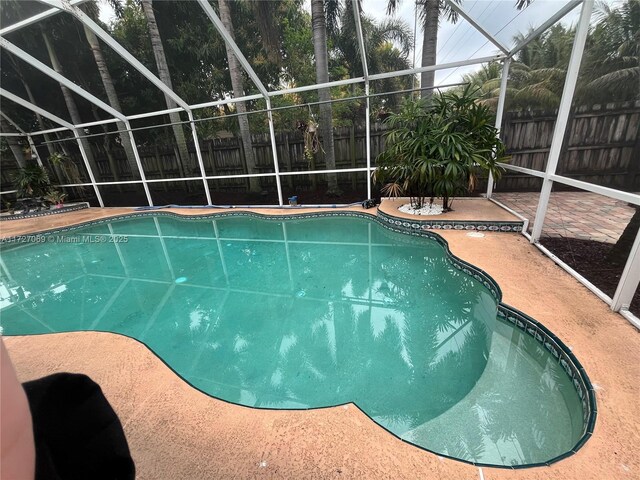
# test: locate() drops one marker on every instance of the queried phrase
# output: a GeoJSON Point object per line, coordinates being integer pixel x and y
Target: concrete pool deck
{"type": "Point", "coordinates": [174, 431]}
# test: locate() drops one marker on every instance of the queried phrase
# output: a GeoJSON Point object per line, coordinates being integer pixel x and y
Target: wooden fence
{"type": "Point", "coordinates": [602, 145]}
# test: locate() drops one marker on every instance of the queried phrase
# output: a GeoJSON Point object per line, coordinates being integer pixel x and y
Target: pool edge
{"type": "Point", "coordinates": [507, 313]}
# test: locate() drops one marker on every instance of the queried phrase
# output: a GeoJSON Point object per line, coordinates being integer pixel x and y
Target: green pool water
{"type": "Point", "coordinates": [307, 313]}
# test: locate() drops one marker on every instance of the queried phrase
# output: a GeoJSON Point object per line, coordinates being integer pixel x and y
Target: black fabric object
{"type": "Point", "coordinates": [77, 433]}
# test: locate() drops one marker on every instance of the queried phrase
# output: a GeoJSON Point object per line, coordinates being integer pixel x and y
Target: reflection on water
{"type": "Point", "coordinates": [305, 314]}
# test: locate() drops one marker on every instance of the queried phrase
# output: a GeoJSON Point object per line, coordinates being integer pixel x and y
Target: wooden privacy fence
{"type": "Point", "coordinates": [225, 156]}
{"type": "Point", "coordinates": [601, 145]}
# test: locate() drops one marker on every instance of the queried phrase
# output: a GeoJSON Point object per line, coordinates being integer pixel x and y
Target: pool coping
{"type": "Point", "coordinates": [556, 347]}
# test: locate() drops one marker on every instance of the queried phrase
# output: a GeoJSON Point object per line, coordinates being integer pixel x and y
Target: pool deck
{"type": "Point", "coordinates": [174, 431]}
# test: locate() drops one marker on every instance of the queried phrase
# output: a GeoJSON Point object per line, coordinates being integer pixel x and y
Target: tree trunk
{"type": "Point", "coordinates": [113, 166]}
{"type": "Point", "coordinates": [324, 94]}
{"type": "Point", "coordinates": [112, 96]}
{"type": "Point", "coordinates": [429, 45]}
{"type": "Point", "coordinates": [184, 162]}
{"type": "Point", "coordinates": [68, 99]}
{"type": "Point", "coordinates": [47, 137]}
{"type": "Point", "coordinates": [14, 143]}
{"type": "Point", "coordinates": [235, 70]}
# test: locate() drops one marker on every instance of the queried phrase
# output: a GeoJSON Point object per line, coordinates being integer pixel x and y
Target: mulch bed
{"type": "Point", "coordinates": [590, 259]}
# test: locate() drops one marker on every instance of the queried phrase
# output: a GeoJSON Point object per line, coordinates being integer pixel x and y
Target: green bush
{"type": "Point", "coordinates": [32, 181]}
{"type": "Point", "coordinates": [437, 146]}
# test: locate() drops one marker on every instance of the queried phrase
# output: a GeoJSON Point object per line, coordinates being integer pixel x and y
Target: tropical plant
{"type": "Point", "coordinates": [437, 146]}
{"type": "Point", "coordinates": [611, 69]}
{"type": "Point", "coordinates": [56, 197]}
{"type": "Point", "coordinates": [430, 12]}
{"type": "Point", "coordinates": [64, 164]}
{"type": "Point", "coordinates": [31, 181]}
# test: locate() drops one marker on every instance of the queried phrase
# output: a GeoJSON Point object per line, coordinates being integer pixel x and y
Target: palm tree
{"type": "Point", "coordinates": [430, 13]}
{"type": "Point", "coordinates": [67, 95]}
{"type": "Point", "coordinates": [612, 67]}
{"type": "Point", "coordinates": [382, 55]}
{"type": "Point", "coordinates": [319, 28]}
{"type": "Point", "coordinates": [237, 83]}
{"type": "Point", "coordinates": [165, 76]}
{"type": "Point", "coordinates": [91, 9]}
{"type": "Point", "coordinates": [378, 37]}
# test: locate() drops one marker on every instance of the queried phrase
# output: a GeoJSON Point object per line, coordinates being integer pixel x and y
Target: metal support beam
{"type": "Point", "coordinates": [196, 142]}
{"type": "Point", "coordinates": [15, 125]}
{"type": "Point", "coordinates": [88, 167]}
{"type": "Point", "coordinates": [365, 70]}
{"type": "Point", "coordinates": [22, 133]}
{"type": "Point", "coordinates": [219, 26]}
{"type": "Point", "coordinates": [499, 113]}
{"type": "Point", "coordinates": [35, 19]}
{"type": "Point", "coordinates": [463, 13]}
{"type": "Point", "coordinates": [629, 280]}
{"type": "Point", "coordinates": [429, 68]}
{"type": "Point", "coordinates": [571, 79]}
{"type": "Point", "coordinates": [217, 23]}
{"type": "Point", "coordinates": [119, 49]}
{"type": "Point", "coordinates": [543, 27]}
{"type": "Point", "coordinates": [367, 124]}
{"type": "Point", "coordinates": [274, 150]}
{"type": "Point", "coordinates": [50, 72]}
{"type": "Point", "coordinates": [34, 151]}
{"type": "Point", "coordinates": [136, 155]}
{"type": "Point", "coordinates": [361, 45]}
{"type": "Point", "coordinates": [22, 102]}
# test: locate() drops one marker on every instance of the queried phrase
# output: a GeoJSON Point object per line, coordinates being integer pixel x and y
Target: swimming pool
{"type": "Point", "coordinates": [314, 312]}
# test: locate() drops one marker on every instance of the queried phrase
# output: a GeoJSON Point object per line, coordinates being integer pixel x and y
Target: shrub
{"type": "Point", "coordinates": [437, 146]}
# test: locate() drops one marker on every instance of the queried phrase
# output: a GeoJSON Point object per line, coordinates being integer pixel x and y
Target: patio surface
{"type": "Point", "coordinates": [175, 431]}
{"type": "Point", "coordinates": [583, 215]}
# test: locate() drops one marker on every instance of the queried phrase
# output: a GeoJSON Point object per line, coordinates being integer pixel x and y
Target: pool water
{"type": "Point", "coordinates": [307, 313]}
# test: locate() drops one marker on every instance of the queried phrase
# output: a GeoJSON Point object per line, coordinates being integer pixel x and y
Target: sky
{"type": "Point", "coordinates": [458, 41]}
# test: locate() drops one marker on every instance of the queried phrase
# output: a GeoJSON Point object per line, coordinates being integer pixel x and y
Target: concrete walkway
{"type": "Point", "coordinates": [583, 215]}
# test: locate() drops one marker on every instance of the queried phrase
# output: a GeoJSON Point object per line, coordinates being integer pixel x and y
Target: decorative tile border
{"type": "Point", "coordinates": [505, 313]}
{"type": "Point", "coordinates": [434, 224]}
{"type": "Point", "coordinates": [44, 213]}
{"type": "Point", "coordinates": [566, 359]}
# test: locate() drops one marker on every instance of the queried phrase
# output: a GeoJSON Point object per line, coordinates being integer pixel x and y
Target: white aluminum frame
{"type": "Point", "coordinates": [463, 13]}
{"type": "Point", "coordinates": [629, 280]}
{"type": "Point", "coordinates": [499, 113]}
{"type": "Point", "coordinates": [20, 101]}
{"type": "Point", "coordinates": [562, 119]}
